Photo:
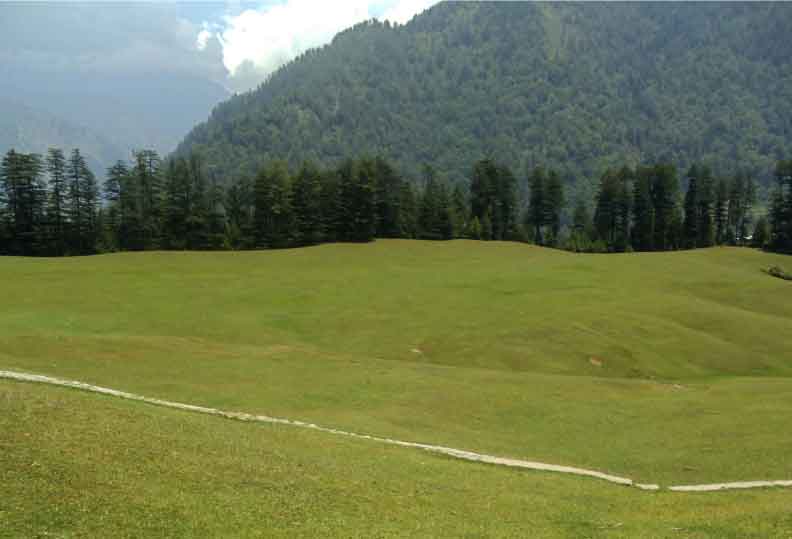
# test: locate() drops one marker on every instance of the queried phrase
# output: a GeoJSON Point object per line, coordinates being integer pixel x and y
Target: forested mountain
{"type": "Point", "coordinates": [579, 87]}
{"type": "Point", "coordinates": [34, 131]}
{"type": "Point", "coordinates": [106, 116]}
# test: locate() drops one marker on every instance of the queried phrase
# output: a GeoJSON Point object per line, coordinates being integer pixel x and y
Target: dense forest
{"type": "Point", "coordinates": [577, 87]}
{"type": "Point", "coordinates": [54, 206]}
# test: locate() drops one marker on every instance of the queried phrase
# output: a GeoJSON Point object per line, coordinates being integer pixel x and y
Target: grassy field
{"type": "Point", "coordinates": [673, 368]}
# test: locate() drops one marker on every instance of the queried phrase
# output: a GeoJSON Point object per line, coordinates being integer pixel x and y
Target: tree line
{"type": "Point", "coordinates": [54, 206]}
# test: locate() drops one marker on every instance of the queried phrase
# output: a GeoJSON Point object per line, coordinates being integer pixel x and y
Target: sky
{"type": "Point", "coordinates": [235, 43]}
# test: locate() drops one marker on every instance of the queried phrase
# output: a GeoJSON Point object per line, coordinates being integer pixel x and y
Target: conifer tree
{"type": "Point", "coordinates": [148, 175]}
{"type": "Point", "coordinates": [116, 176]}
{"type": "Point", "coordinates": [664, 194]}
{"type": "Point", "coordinates": [721, 211]}
{"type": "Point", "coordinates": [239, 212]}
{"type": "Point", "coordinates": [580, 237]}
{"type": "Point", "coordinates": [535, 215]}
{"type": "Point", "coordinates": [691, 223]}
{"type": "Point", "coordinates": [273, 211]}
{"type": "Point", "coordinates": [643, 211]}
{"type": "Point", "coordinates": [553, 206]}
{"type": "Point", "coordinates": [361, 197]}
{"type": "Point", "coordinates": [57, 213]}
{"type": "Point", "coordinates": [460, 210]}
{"type": "Point", "coordinates": [706, 203]}
{"type": "Point", "coordinates": [307, 204]}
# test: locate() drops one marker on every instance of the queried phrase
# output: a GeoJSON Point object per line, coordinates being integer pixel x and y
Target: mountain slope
{"type": "Point", "coordinates": [29, 130]}
{"type": "Point", "coordinates": [121, 112]}
{"type": "Point", "coordinates": [576, 86]}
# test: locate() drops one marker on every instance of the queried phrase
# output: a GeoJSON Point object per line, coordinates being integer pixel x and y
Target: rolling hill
{"type": "Point", "coordinates": [670, 368]}
{"type": "Point", "coordinates": [579, 86]}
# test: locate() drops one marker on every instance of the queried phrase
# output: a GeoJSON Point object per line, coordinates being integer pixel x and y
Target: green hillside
{"type": "Point", "coordinates": [672, 368]}
{"type": "Point", "coordinates": [633, 364]}
{"type": "Point", "coordinates": [79, 465]}
{"type": "Point", "coordinates": [577, 86]}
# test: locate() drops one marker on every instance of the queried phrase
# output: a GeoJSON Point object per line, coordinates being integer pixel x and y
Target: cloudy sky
{"type": "Point", "coordinates": [234, 43]}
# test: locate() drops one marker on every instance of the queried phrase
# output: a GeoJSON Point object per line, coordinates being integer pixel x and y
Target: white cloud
{"type": "Point", "coordinates": [268, 37]}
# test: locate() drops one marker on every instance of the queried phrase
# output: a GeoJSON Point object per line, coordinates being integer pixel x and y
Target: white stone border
{"type": "Point", "coordinates": [448, 451]}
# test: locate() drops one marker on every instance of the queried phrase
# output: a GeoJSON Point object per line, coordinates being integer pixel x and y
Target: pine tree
{"type": "Point", "coordinates": [664, 194]}
{"type": "Point", "coordinates": [428, 217]}
{"type": "Point", "coordinates": [408, 210]}
{"type": "Point", "coordinates": [308, 205]}
{"type": "Point", "coordinates": [445, 217]}
{"type": "Point", "coordinates": [721, 212]}
{"type": "Point", "coordinates": [57, 211]}
{"type": "Point", "coordinates": [535, 215]}
{"type": "Point", "coordinates": [781, 209]}
{"type": "Point", "coordinates": [239, 212]}
{"type": "Point", "coordinates": [761, 234]}
{"type": "Point", "coordinates": [216, 218]}
{"type": "Point", "coordinates": [390, 216]}
{"type": "Point", "coordinates": [607, 212]}
{"type": "Point", "coordinates": [482, 188]}
{"type": "Point", "coordinates": [580, 238]}
{"type": "Point", "coordinates": [625, 179]}
{"type": "Point", "coordinates": [706, 203]}
{"type": "Point", "coordinates": [553, 206]}
{"type": "Point", "coordinates": [691, 234]}
{"type": "Point", "coordinates": [460, 208]}
{"type": "Point", "coordinates": [113, 217]}
{"type": "Point", "coordinates": [148, 175]}
{"type": "Point", "coordinates": [643, 211]}
{"type": "Point", "coordinates": [25, 199]}
{"type": "Point", "coordinates": [504, 208]}
{"type": "Point", "coordinates": [332, 206]}
{"type": "Point", "coordinates": [486, 227]}
{"type": "Point", "coordinates": [177, 205]}
{"type": "Point", "coordinates": [361, 197]}
{"type": "Point", "coordinates": [198, 205]}
{"type": "Point", "coordinates": [131, 235]}
{"type": "Point", "coordinates": [79, 226]}
{"type": "Point", "coordinates": [273, 210]}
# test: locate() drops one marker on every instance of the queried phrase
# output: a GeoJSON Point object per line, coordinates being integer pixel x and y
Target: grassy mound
{"type": "Point", "coordinates": [670, 367]}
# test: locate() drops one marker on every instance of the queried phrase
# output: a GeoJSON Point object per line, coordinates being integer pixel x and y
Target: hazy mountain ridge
{"type": "Point", "coordinates": [105, 116]}
{"type": "Point", "coordinates": [575, 86]}
{"type": "Point", "coordinates": [34, 131]}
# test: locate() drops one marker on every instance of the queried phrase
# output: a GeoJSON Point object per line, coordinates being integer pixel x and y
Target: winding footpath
{"type": "Point", "coordinates": [447, 451]}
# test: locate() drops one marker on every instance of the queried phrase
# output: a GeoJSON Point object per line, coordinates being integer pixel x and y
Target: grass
{"type": "Point", "coordinates": [80, 465]}
{"type": "Point", "coordinates": [666, 367]}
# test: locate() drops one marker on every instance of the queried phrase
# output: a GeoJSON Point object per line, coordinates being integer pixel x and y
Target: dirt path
{"type": "Point", "coordinates": [448, 451]}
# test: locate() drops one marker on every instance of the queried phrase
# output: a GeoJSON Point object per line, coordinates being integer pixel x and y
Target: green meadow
{"type": "Point", "coordinates": [669, 368]}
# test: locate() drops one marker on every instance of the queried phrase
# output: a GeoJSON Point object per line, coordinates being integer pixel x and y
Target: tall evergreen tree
{"type": "Point", "coordinates": [691, 235]}
{"type": "Point", "coordinates": [148, 175]}
{"type": "Point", "coordinates": [239, 211]}
{"type": "Point", "coordinates": [643, 211]}
{"type": "Point", "coordinates": [25, 199]}
{"type": "Point", "coordinates": [721, 211]}
{"type": "Point", "coordinates": [429, 214]}
{"type": "Point", "coordinates": [706, 205]}
{"type": "Point", "coordinates": [582, 226]}
{"type": "Point", "coordinates": [57, 211]}
{"type": "Point", "coordinates": [664, 194]}
{"type": "Point", "coordinates": [273, 211]}
{"type": "Point", "coordinates": [360, 193]}
{"type": "Point", "coordinates": [307, 204]}
{"type": "Point", "coordinates": [607, 212]}
{"type": "Point", "coordinates": [535, 215]}
{"type": "Point", "coordinates": [116, 176]}
{"type": "Point", "coordinates": [553, 206]}
{"type": "Point", "coordinates": [781, 209]}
